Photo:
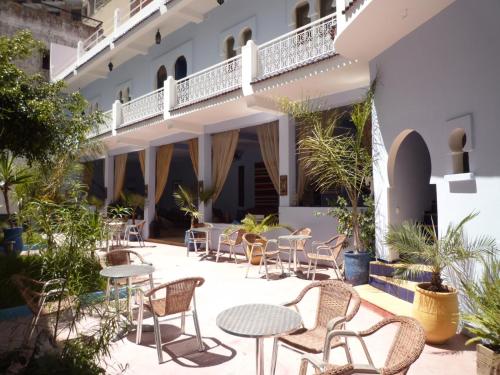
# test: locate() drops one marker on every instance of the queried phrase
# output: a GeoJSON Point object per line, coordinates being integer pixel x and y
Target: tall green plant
{"type": "Point", "coordinates": [421, 248]}
{"type": "Point", "coordinates": [10, 176]}
{"type": "Point", "coordinates": [337, 158]}
{"type": "Point", "coordinates": [188, 202]}
{"type": "Point", "coordinates": [253, 225]}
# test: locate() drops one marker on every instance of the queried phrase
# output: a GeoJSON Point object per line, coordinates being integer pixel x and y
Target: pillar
{"type": "Point", "coordinates": [287, 161]}
{"type": "Point", "coordinates": [109, 177]}
{"type": "Point", "coordinates": [150, 183]}
{"type": "Point", "coordinates": [249, 67]}
{"type": "Point", "coordinates": [205, 172]}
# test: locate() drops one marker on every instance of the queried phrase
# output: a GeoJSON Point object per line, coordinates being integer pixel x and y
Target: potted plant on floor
{"type": "Point", "coordinates": [10, 176]}
{"type": "Point", "coordinates": [435, 304]}
{"type": "Point", "coordinates": [337, 157]}
{"type": "Point", "coordinates": [482, 300]}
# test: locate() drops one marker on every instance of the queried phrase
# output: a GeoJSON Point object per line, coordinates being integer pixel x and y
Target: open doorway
{"type": "Point", "coordinates": [411, 195]}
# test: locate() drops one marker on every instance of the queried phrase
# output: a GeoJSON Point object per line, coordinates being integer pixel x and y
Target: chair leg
{"type": "Point", "coordinates": [218, 253]}
{"type": "Point", "coordinates": [248, 266]}
{"type": "Point", "coordinates": [234, 254]}
{"type": "Point", "coordinates": [198, 333]}
{"type": "Point", "coordinates": [183, 323]}
{"type": "Point", "coordinates": [308, 269]}
{"type": "Point", "coordinates": [265, 267]}
{"type": "Point", "coordinates": [107, 290]}
{"type": "Point", "coordinates": [275, 356]}
{"type": "Point", "coordinates": [303, 367]}
{"type": "Point", "coordinates": [31, 329]}
{"type": "Point", "coordinates": [314, 271]}
{"type": "Point", "coordinates": [140, 315]}
{"type": "Point", "coordinates": [158, 338]}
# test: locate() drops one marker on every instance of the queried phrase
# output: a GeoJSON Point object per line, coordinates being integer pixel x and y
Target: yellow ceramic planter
{"type": "Point", "coordinates": [437, 313]}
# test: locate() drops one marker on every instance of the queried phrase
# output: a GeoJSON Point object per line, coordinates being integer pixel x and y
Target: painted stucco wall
{"type": "Point", "coordinates": [447, 68]}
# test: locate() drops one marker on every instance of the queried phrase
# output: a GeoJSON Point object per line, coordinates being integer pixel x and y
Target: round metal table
{"type": "Point", "coordinates": [259, 321]}
{"type": "Point", "coordinates": [293, 239]}
{"type": "Point", "coordinates": [127, 271]}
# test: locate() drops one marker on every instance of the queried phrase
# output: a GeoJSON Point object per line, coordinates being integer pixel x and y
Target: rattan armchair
{"type": "Point", "coordinates": [261, 246]}
{"type": "Point", "coordinates": [231, 239]}
{"type": "Point", "coordinates": [407, 345]}
{"type": "Point", "coordinates": [338, 303]}
{"type": "Point", "coordinates": [328, 251]}
{"type": "Point", "coordinates": [198, 238]}
{"type": "Point", "coordinates": [44, 299]}
{"type": "Point", "coordinates": [178, 297]}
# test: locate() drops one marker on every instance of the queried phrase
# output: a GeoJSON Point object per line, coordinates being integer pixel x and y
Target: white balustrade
{"type": "Point", "coordinates": [215, 80]}
{"type": "Point", "coordinates": [142, 108]}
{"type": "Point", "coordinates": [104, 127]}
{"type": "Point", "coordinates": [296, 48]}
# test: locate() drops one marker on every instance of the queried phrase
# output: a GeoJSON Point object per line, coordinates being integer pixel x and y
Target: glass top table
{"type": "Point", "coordinates": [259, 321]}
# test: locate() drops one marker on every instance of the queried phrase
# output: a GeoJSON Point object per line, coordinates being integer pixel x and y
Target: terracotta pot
{"type": "Point", "coordinates": [488, 361]}
{"type": "Point", "coordinates": [437, 313]}
{"type": "Point", "coordinates": [255, 256]}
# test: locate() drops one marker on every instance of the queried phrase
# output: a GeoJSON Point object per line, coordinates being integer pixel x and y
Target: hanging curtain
{"type": "Point", "coordinates": [269, 148]}
{"type": "Point", "coordinates": [193, 153]}
{"type": "Point", "coordinates": [223, 148]}
{"type": "Point", "coordinates": [120, 165]}
{"type": "Point", "coordinates": [163, 159]}
{"type": "Point", "coordinates": [142, 161]}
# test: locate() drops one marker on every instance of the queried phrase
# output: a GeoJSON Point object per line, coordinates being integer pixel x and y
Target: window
{"type": "Point", "coordinates": [180, 67]}
{"type": "Point", "coordinates": [326, 7]}
{"type": "Point", "coordinates": [46, 59]}
{"type": "Point", "coordinates": [161, 76]}
{"type": "Point", "coordinates": [246, 35]}
{"type": "Point", "coordinates": [460, 157]}
{"type": "Point", "coordinates": [123, 95]}
{"type": "Point", "coordinates": [229, 50]}
{"type": "Point", "coordinates": [302, 15]}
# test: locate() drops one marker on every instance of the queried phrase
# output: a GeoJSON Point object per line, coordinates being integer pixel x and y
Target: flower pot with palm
{"type": "Point", "coordinates": [11, 175]}
{"type": "Point", "coordinates": [336, 157]}
{"type": "Point", "coordinates": [482, 302]}
{"type": "Point", "coordinates": [435, 304]}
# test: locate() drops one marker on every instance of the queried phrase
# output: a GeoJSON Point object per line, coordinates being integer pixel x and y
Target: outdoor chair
{"type": "Point", "coordinates": [260, 246]}
{"type": "Point", "coordinates": [231, 239]}
{"type": "Point", "coordinates": [407, 345]}
{"type": "Point", "coordinates": [135, 230]}
{"type": "Point", "coordinates": [328, 251]}
{"type": "Point", "coordinates": [284, 245]}
{"type": "Point", "coordinates": [338, 303]}
{"type": "Point", "coordinates": [178, 297]}
{"type": "Point", "coordinates": [198, 238]}
{"type": "Point", "coordinates": [44, 299]}
{"type": "Point", "coordinates": [116, 230]}
{"type": "Point", "coordinates": [122, 257]}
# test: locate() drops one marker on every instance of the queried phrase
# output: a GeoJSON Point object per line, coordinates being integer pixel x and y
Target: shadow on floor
{"type": "Point", "coordinates": [454, 346]}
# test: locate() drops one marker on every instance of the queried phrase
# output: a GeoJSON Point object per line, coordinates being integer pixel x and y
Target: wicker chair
{"type": "Point", "coordinates": [44, 299]}
{"type": "Point", "coordinates": [260, 246]}
{"type": "Point", "coordinates": [333, 249]}
{"type": "Point", "coordinates": [178, 296]}
{"type": "Point", "coordinates": [135, 230]}
{"type": "Point", "coordinates": [338, 303]}
{"type": "Point", "coordinates": [300, 244]}
{"type": "Point", "coordinates": [407, 345]}
{"type": "Point", "coordinates": [198, 238]}
{"type": "Point", "coordinates": [231, 239]}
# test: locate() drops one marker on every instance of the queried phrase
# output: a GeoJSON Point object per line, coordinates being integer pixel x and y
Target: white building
{"type": "Point", "coordinates": [206, 77]}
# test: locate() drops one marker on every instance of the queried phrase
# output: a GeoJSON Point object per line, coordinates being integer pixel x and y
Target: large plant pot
{"type": "Point", "coordinates": [15, 235]}
{"type": "Point", "coordinates": [488, 361]}
{"type": "Point", "coordinates": [437, 313]}
{"type": "Point", "coordinates": [255, 260]}
{"type": "Point", "coordinates": [356, 267]}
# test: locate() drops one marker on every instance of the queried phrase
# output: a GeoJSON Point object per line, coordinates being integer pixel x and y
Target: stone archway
{"type": "Point", "coordinates": [411, 197]}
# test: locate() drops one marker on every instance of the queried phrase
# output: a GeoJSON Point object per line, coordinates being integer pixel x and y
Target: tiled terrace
{"type": "Point", "coordinates": [226, 286]}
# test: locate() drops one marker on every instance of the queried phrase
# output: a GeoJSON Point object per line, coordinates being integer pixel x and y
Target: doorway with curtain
{"type": "Point", "coordinates": [248, 159]}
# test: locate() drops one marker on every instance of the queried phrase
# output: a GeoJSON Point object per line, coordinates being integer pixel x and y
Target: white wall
{"type": "Point", "coordinates": [448, 67]}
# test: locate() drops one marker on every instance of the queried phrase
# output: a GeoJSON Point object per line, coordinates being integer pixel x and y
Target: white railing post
{"type": "Point", "coordinates": [79, 51]}
{"type": "Point", "coordinates": [116, 20]}
{"type": "Point", "coordinates": [117, 116]}
{"type": "Point", "coordinates": [341, 17]}
{"type": "Point", "coordinates": [249, 67]}
{"type": "Point", "coordinates": [169, 96]}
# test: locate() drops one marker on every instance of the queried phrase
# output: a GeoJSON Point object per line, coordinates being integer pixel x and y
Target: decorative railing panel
{"type": "Point", "coordinates": [297, 48]}
{"type": "Point", "coordinates": [144, 107]}
{"type": "Point", "coordinates": [105, 127]}
{"type": "Point", "coordinates": [215, 80]}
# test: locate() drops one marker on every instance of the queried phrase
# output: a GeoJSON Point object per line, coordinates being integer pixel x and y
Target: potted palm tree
{"type": "Point", "coordinates": [11, 175]}
{"type": "Point", "coordinates": [483, 315]}
{"type": "Point", "coordinates": [435, 304]}
{"type": "Point", "coordinates": [334, 157]}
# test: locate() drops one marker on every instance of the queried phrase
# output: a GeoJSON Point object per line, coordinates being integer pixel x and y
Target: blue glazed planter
{"type": "Point", "coordinates": [15, 235]}
{"type": "Point", "coordinates": [356, 267]}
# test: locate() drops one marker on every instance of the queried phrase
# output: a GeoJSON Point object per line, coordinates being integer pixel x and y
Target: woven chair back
{"type": "Point", "coordinates": [118, 257]}
{"type": "Point", "coordinates": [334, 299]}
{"type": "Point", "coordinates": [339, 244]}
{"type": "Point", "coordinates": [252, 238]}
{"type": "Point", "coordinates": [302, 232]}
{"type": "Point", "coordinates": [178, 296]}
{"type": "Point", "coordinates": [239, 236]}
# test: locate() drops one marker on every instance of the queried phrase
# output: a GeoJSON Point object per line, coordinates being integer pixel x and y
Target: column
{"type": "Point", "coordinates": [287, 163]}
{"type": "Point", "coordinates": [109, 178]}
{"type": "Point", "coordinates": [169, 96]}
{"type": "Point", "coordinates": [205, 171]}
{"type": "Point", "coordinates": [116, 113]}
{"type": "Point", "coordinates": [249, 69]}
{"type": "Point", "coordinates": [150, 186]}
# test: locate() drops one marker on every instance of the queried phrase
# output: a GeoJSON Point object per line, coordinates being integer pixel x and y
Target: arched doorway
{"type": "Point", "coordinates": [411, 197]}
{"type": "Point", "coordinates": [161, 76]}
{"type": "Point", "coordinates": [180, 67]}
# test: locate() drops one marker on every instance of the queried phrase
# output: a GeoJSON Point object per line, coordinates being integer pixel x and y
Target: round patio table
{"type": "Point", "coordinates": [127, 271]}
{"type": "Point", "coordinates": [293, 239]}
{"type": "Point", "coordinates": [259, 321]}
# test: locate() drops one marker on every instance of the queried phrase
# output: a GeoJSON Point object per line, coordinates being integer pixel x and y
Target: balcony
{"type": "Point", "coordinates": [142, 108]}
{"type": "Point", "coordinates": [105, 127]}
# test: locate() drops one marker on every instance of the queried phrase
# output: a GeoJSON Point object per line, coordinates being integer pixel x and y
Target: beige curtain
{"type": "Point", "coordinates": [142, 161]}
{"type": "Point", "coordinates": [269, 148]}
{"type": "Point", "coordinates": [163, 159]}
{"type": "Point", "coordinates": [120, 164]}
{"type": "Point", "coordinates": [223, 148]}
{"type": "Point", "coordinates": [193, 153]}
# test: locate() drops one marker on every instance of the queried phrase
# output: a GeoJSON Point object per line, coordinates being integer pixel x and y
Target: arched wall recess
{"type": "Point", "coordinates": [459, 135]}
